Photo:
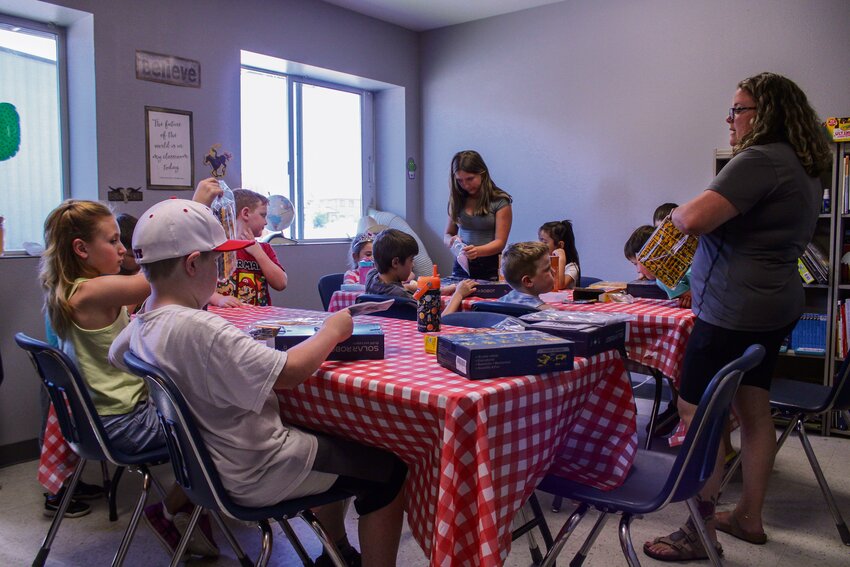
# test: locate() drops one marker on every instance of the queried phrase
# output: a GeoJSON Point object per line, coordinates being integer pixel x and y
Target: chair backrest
{"type": "Point", "coordinates": [473, 319]}
{"type": "Point", "coordinates": [75, 411]}
{"type": "Point", "coordinates": [402, 307]}
{"type": "Point", "coordinates": [585, 281]}
{"type": "Point", "coordinates": [512, 309]}
{"type": "Point", "coordinates": [193, 468]}
{"type": "Point", "coordinates": [698, 454]}
{"type": "Point", "coordinates": [328, 284]}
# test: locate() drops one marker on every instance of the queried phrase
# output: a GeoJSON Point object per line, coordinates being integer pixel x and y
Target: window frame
{"type": "Point", "coordinates": [60, 33]}
{"type": "Point", "coordinates": [294, 82]}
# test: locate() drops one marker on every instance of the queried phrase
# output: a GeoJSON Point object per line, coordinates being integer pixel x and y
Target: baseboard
{"type": "Point", "coordinates": [19, 452]}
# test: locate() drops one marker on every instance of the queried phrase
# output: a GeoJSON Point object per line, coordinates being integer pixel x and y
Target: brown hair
{"type": "Point", "coordinates": [471, 161]}
{"type": "Point", "coordinates": [520, 259]}
{"type": "Point", "coordinates": [783, 114]}
{"type": "Point", "coordinates": [392, 243]}
{"type": "Point", "coordinates": [247, 198]}
{"type": "Point", "coordinates": [60, 266]}
{"type": "Point", "coordinates": [636, 241]}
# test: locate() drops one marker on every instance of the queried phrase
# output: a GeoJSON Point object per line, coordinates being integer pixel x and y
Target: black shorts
{"type": "Point", "coordinates": [374, 476]}
{"type": "Point", "coordinates": [484, 268]}
{"type": "Point", "coordinates": [710, 348]}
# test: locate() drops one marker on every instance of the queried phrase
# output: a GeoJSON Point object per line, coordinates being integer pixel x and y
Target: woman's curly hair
{"type": "Point", "coordinates": [783, 114]}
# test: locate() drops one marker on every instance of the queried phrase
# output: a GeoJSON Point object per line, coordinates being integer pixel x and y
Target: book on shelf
{"type": "Point", "coordinates": [819, 257]}
{"type": "Point", "coordinates": [809, 336]}
{"type": "Point", "coordinates": [811, 264]}
{"type": "Point", "coordinates": [845, 191]}
{"type": "Point", "coordinates": [805, 274]}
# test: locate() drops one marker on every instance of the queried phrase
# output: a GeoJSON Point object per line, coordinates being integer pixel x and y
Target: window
{"type": "Point", "coordinates": [310, 141]}
{"type": "Point", "coordinates": [32, 181]}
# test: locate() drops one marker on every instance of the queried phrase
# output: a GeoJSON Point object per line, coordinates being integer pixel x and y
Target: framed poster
{"type": "Point", "coordinates": [168, 136]}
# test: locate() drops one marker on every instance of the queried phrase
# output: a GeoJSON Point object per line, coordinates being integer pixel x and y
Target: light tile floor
{"type": "Point", "coordinates": [798, 523]}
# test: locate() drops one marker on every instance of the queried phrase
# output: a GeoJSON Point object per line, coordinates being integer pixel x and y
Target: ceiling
{"type": "Point", "coordinates": [423, 15]}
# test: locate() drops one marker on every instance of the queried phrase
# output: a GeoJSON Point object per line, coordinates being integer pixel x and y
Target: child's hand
{"type": "Point", "coordinates": [448, 289]}
{"type": "Point", "coordinates": [341, 324]}
{"type": "Point", "coordinates": [560, 253]}
{"type": "Point", "coordinates": [207, 190]}
{"type": "Point", "coordinates": [246, 234]}
{"type": "Point", "coordinates": [410, 286]}
{"type": "Point", "coordinates": [218, 300]}
{"type": "Point", "coordinates": [685, 300]}
{"type": "Point", "coordinates": [466, 288]}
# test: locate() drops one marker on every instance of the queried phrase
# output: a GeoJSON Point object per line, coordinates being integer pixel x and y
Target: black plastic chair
{"type": "Point", "coordinates": [510, 309]}
{"type": "Point", "coordinates": [328, 284]}
{"type": "Point", "coordinates": [585, 281]}
{"type": "Point", "coordinates": [195, 472]}
{"type": "Point", "coordinates": [84, 432]}
{"type": "Point", "coordinates": [656, 478]}
{"type": "Point", "coordinates": [800, 402]}
{"type": "Point", "coordinates": [402, 307]}
{"type": "Point", "coordinates": [473, 319]}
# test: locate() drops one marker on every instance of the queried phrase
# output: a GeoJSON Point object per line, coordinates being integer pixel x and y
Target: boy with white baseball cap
{"type": "Point", "coordinates": [228, 380]}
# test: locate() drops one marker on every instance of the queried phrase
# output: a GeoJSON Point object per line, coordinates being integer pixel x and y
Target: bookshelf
{"type": "Point", "coordinates": [832, 237]}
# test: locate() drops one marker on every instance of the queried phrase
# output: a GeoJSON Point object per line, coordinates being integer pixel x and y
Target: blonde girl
{"type": "Point", "coordinates": [559, 237]}
{"type": "Point", "coordinates": [480, 216]}
{"type": "Point", "coordinates": [361, 249]}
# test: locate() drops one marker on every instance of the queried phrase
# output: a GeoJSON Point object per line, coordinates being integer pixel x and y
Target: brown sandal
{"type": "Point", "coordinates": [728, 524]}
{"type": "Point", "coordinates": [684, 542]}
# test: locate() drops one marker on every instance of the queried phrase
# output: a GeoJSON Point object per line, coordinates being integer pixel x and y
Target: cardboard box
{"type": "Point", "coordinates": [645, 288]}
{"type": "Point", "coordinates": [483, 288]}
{"type": "Point", "coordinates": [366, 343]}
{"type": "Point", "coordinates": [488, 355]}
{"type": "Point", "coordinates": [839, 128]}
{"type": "Point", "coordinates": [587, 293]}
{"type": "Point", "coordinates": [588, 339]}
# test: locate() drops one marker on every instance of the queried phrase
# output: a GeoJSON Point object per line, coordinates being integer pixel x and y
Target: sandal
{"type": "Point", "coordinates": [727, 523]}
{"type": "Point", "coordinates": [685, 544]}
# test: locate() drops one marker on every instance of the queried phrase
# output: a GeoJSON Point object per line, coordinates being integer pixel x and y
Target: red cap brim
{"type": "Point", "coordinates": [231, 245]}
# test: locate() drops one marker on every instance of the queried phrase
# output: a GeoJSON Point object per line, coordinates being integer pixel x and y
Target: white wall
{"type": "Point", "coordinates": [600, 111]}
{"type": "Point", "coordinates": [108, 148]}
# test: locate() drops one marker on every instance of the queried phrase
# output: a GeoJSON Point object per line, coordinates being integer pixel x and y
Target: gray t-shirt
{"type": "Point", "coordinates": [744, 275]}
{"type": "Point", "coordinates": [374, 284]}
{"type": "Point", "coordinates": [227, 379]}
{"type": "Point", "coordinates": [480, 229]}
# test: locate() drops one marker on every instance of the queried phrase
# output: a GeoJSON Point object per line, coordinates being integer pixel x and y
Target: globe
{"type": "Point", "coordinates": [280, 213]}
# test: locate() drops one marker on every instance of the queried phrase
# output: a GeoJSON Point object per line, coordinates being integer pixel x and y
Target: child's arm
{"type": "Point", "coordinates": [305, 358]}
{"type": "Point", "coordinates": [275, 276]}
{"type": "Point", "coordinates": [219, 300]}
{"type": "Point", "coordinates": [207, 190]}
{"type": "Point", "coordinates": [463, 290]}
{"type": "Point", "coordinates": [96, 302]}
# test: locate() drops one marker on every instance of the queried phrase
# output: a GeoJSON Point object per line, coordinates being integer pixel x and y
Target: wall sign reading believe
{"type": "Point", "coordinates": [168, 69]}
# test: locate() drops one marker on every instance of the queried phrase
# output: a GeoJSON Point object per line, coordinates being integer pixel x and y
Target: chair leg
{"type": "Point", "coordinates": [557, 502]}
{"type": "Point", "coordinates": [580, 557]}
{"type": "Point", "coordinates": [41, 556]}
{"type": "Point", "coordinates": [730, 472]}
{"type": "Point", "coordinates": [656, 406]}
{"type": "Point", "coordinates": [824, 487]}
{"type": "Point", "coordinates": [134, 519]}
{"type": "Point", "coordinates": [567, 530]}
{"type": "Point", "coordinates": [112, 494]}
{"type": "Point", "coordinates": [267, 543]}
{"type": "Point", "coordinates": [330, 547]}
{"type": "Point", "coordinates": [296, 543]}
{"type": "Point", "coordinates": [533, 548]}
{"type": "Point", "coordinates": [231, 539]}
{"type": "Point", "coordinates": [541, 520]}
{"type": "Point", "coordinates": [626, 540]}
{"type": "Point", "coordinates": [696, 517]}
{"type": "Point", "coordinates": [184, 540]}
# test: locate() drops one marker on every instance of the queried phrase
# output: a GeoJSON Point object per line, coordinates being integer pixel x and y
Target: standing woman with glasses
{"type": "Point", "coordinates": [754, 221]}
{"type": "Point", "coordinates": [480, 216]}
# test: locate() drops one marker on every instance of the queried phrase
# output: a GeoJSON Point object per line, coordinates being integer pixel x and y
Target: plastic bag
{"type": "Point", "coordinates": [584, 317]}
{"type": "Point", "coordinates": [457, 250]}
{"type": "Point", "coordinates": [224, 208]}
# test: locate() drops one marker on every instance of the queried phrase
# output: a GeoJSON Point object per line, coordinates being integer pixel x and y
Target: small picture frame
{"type": "Point", "coordinates": [169, 147]}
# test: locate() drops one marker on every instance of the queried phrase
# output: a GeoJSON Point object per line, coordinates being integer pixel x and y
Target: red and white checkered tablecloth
{"type": "Point", "coordinates": [57, 461]}
{"type": "Point", "coordinates": [475, 449]}
{"type": "Point", "coordinates": [658, 335]}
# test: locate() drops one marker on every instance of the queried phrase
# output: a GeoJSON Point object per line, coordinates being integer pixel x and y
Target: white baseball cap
{"type": "Point", "coordinates": [177, 227]}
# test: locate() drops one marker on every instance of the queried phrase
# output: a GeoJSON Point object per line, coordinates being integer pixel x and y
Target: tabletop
{"type": "Point", "coordinates": [475, 449]}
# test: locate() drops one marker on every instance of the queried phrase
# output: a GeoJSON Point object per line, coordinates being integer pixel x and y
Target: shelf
{"type": "Point", "coordinates": [794, 354]}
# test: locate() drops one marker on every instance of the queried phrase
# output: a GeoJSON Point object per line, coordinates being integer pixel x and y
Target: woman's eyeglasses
{"type": "Point", "coordinates": [736, 110]}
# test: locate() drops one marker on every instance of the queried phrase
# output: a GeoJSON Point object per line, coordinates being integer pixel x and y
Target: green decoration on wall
{"type": "Point", "coordinates": [10, 131]}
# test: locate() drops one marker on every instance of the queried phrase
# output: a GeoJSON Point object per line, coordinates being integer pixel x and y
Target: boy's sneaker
{"type": "Point", "coordinates": [162, 527]}
{"type": "Point", "coordinates": [202, 542]}
{"type": "Point", "coordinates": [75, 509]}
{"type": "Point", "coordinates": [85, 491]}
{"type": "Point", "coordinates": [349, 554]}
